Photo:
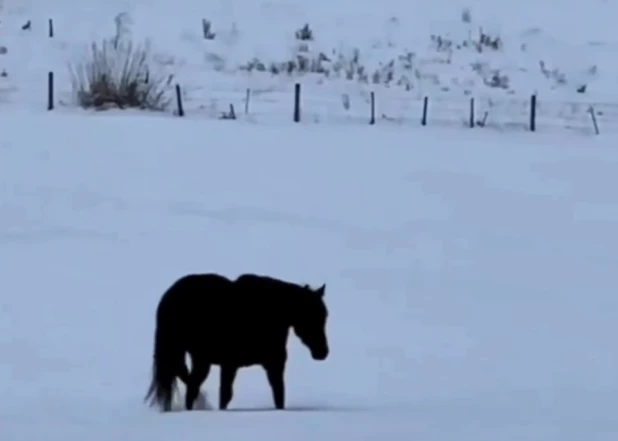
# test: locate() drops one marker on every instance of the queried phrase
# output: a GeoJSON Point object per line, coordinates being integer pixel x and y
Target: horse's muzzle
{"type": "Point", "coordinates": [320, 354]}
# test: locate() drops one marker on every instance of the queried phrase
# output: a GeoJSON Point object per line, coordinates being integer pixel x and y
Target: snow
{"type": "Point", "coordinates": [470, 273]}
{"type": "Point", "coordinates": [470, 282]}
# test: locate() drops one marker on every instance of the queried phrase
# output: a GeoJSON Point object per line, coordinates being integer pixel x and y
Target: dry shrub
{"type": "Point", "coordinates": [119, 75]}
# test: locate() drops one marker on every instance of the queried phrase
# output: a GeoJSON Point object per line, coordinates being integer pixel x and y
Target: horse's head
{"type": "Point", "coordinates": [310, 322]}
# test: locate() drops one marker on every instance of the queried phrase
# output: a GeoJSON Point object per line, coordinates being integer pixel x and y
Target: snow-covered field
{"type": "Point", "coordinates": [471, 280]}
{"type": "Point", "coordinates": [470, 274]}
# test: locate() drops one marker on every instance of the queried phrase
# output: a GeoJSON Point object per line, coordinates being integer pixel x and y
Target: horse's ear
{"type": "Point", "coordinates": [321, 290]}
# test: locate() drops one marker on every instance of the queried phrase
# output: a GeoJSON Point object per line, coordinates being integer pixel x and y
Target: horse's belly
{"type": "Point", "coordinates": [243, 351]}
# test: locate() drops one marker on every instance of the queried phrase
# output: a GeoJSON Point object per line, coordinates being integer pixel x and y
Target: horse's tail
{"type": "Point", "coordinates": [168, 363]}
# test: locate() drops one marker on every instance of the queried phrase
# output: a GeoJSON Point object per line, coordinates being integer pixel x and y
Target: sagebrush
{"type": "Point", "coordinates": [121, 76]}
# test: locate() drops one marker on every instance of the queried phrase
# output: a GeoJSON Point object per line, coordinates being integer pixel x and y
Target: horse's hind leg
{"type": "Point", "coordinates": [226, 385]}
{"type": "Point", "coordinates": [198, 375]}
{"type": "Point", "coordinates": [184, 374]}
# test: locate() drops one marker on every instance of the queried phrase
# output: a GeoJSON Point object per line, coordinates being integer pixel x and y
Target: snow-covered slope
{"type": "Point", "coordinates": [499, 52]}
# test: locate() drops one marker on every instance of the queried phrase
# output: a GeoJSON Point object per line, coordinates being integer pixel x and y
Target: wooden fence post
{"type": "Point", "coordinates": [533, 113]}
{"type": "Point", "coordinates": [425, 105]}
{"type": "Point", "coordinates": [297, 102]}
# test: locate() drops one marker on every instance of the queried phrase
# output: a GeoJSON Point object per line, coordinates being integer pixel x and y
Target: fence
{"type": "Point", "coordinates": [378, 107]}
{"type": "Point", "coordinates": [373, 107]}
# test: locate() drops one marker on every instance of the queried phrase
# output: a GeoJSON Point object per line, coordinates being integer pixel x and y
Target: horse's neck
{"type": "Point", "coordinates": [294, 312]}
{"type": "Point", "coordinates": [291, 306]}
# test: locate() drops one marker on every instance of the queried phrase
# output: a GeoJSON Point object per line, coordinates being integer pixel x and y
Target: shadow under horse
{"type": "Point", "coordinates": [232, 324]}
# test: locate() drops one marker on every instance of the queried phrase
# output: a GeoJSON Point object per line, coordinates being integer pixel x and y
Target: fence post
{"type": "Point", "coordinates": [50, 25]}
{"type": "Point", "coordinates": [205, 28]}
{"type": "Point", "coordinates": [181, 110]}
{"type": "Point", "coordinates": [372, 118]}
{"type": "Point", "coordinates": [247, 98]}
{"type": "Point", "coordinates": [50, 91]}
{"type": "Point", "coordinates": [594, 119]}
{"type": "Point", "coordinates": [297, 102]}
{"type": "Point", "coordinates": [424, 117]}
{"type": "Point", "coordinates": [533, 113]}
{"type": "Point", "coordinates": [472, 112]}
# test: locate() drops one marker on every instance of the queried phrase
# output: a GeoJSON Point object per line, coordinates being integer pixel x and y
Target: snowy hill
{"type": "Point", "coordinates": [499, 53]}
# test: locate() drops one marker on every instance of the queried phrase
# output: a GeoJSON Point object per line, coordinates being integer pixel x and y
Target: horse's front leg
{"type": "Point", "coordinates": [276, 373]}
{"type": "Point", "coordinates": [226, 385]}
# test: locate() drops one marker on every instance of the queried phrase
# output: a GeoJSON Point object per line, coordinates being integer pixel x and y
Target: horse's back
{"type": "Point", "coordinates": [266, 288]}
{"type": "Point", "coordinates": [193, 293]}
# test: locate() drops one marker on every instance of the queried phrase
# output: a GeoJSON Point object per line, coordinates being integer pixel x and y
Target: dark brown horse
{"type": "Point", "coordinates": [232, 324]}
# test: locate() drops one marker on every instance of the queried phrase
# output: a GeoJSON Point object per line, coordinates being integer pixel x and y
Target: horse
{"type": "Point", "coordinates": [232, 324]}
